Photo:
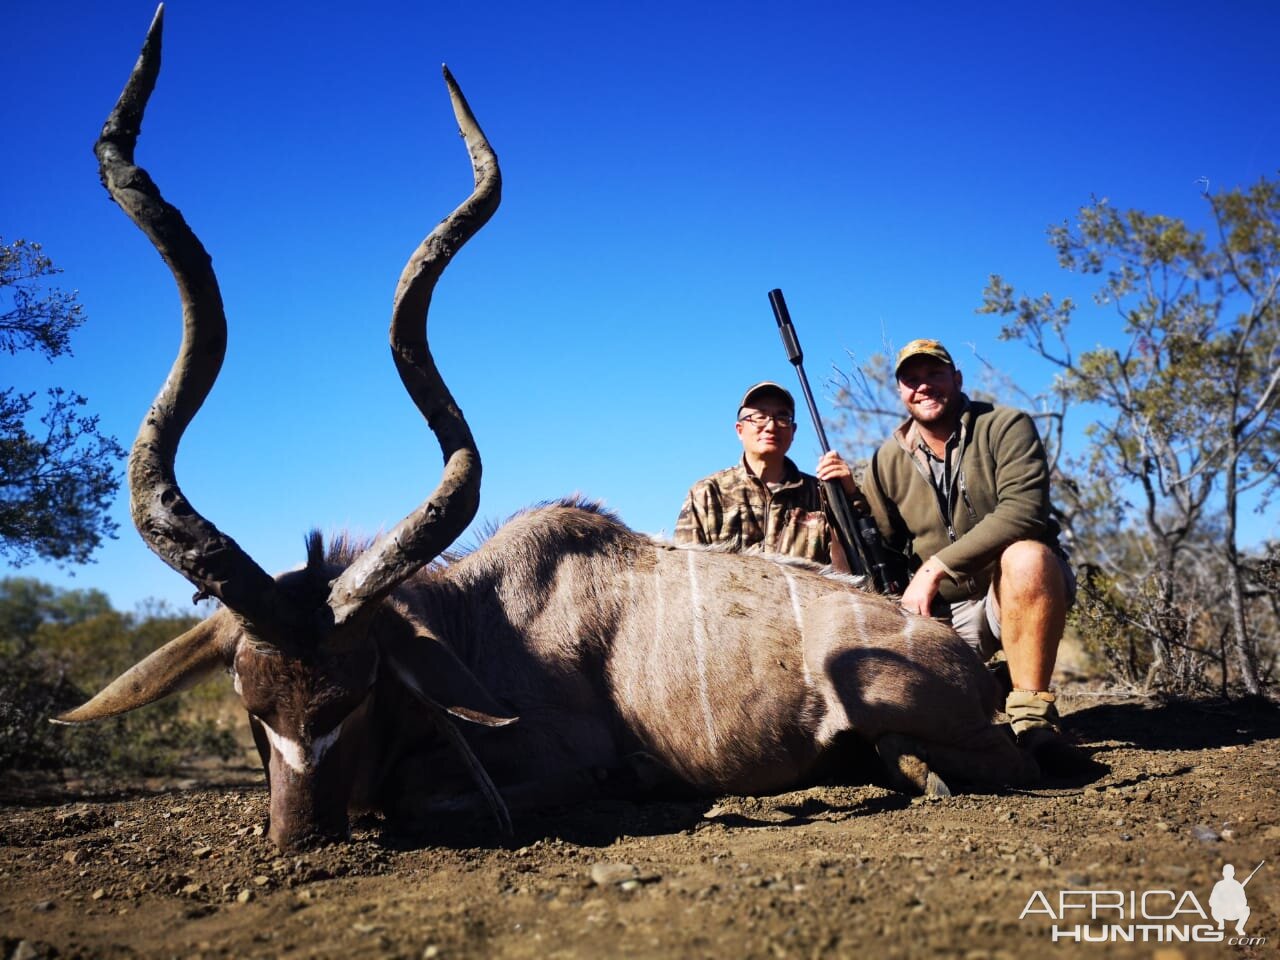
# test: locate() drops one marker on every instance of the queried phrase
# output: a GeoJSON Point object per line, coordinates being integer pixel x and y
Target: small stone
{"type": "Point", "coordinates": [98, 894]}
{"type": "Point", "coordinates": [191, 889]}
{"type": "Point", "coordinates": [43, 906]}
{"type": "Point", "coordinates": [244, 896]}
{"type": "Point", "coordinates": [1271, 833]}
{"type": "Point", "coordinates": [366, 928]}
{"type": "Point", "coordinates": [609, 874]}
{"type": "Point", "coordinates": [200, 853]}
{"type": "Point", "coordinates": [431, 952]}
{"type": "Point", "coordinates": [258, 830]}
{"type": "Point", "coordinates": [629, 885]}
{"type": "Point", "coordinates": [72, 857]}
{"type": "Point", "coordinates": [261, 881]}
{"type": "Point", "coordinates": [1205, 834]}
{"type": "Point", "coordinates": [25, 950]}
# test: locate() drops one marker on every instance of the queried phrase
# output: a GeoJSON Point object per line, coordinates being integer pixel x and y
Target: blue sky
{"type": "Point", "coordinates": [664, 165]}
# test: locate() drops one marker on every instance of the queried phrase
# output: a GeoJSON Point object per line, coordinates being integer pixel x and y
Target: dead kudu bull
{"type": "Point", "coordinates": [376, 682]}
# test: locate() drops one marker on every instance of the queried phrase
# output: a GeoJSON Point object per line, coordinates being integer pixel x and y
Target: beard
{"type": "Point", "coordinates": [935, 411]}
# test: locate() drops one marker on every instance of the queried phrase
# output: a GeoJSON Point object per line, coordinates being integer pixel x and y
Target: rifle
{"type": "Point", "coordinates": [858, 533]}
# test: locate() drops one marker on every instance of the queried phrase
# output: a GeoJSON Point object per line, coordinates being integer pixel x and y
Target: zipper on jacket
{"type": "Point", "coordinates": [968, 505]}
{"type": "Point", "coordinates": [924, 471]}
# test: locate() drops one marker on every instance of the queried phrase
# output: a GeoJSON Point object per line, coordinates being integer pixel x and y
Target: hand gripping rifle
{"type": "Point", "coordinates": [858, 533]}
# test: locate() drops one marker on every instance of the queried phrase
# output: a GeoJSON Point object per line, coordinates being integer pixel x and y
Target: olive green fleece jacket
{"type": "Point", "coordinates": [999, 494]}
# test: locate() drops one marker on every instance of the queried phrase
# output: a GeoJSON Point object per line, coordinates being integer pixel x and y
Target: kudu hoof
{"type": "Point", "coordinates": [908, 772]}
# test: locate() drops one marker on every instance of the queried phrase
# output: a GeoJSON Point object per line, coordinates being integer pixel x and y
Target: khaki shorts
{"type": "Point", "coordinates": [978, 620]}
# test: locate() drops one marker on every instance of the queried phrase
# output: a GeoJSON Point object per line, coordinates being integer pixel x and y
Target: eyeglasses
{"type": "Point", "coordinates": [781, 420]}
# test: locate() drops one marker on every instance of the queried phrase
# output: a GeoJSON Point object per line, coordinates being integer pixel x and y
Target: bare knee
{"type": "Point", "coordinates": [1029, 567]}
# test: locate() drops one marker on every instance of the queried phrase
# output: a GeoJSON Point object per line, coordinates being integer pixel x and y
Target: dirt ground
{"type": "Point", "coordinates": [831, 871]}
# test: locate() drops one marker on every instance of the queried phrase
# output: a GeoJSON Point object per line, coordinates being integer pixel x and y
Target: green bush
{"type": "Point", "coordinates": [57, 648]}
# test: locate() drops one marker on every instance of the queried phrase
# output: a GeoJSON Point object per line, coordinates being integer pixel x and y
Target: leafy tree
{"type": "Point", "coordinates": [58, 646]}
{"type": "Point", "coordinates": [1187, 407]}
{"type": "Point", "coordinates": [57, 479]}
{"type": "Point", "coordinates": [28, 605]}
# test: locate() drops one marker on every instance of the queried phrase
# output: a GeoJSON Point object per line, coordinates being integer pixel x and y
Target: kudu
{"type": "Point", "coordinates": [376, 682]}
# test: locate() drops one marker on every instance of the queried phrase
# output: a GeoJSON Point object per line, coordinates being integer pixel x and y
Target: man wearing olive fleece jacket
{"type": "Point", "coordinates": [962, 489]}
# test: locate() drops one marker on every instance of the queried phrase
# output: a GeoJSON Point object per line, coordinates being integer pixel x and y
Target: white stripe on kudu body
{"type": "Point", "coordinates": [798, 613]}
{"type": "Point", "coordinates": [909, 631]}
{"type": "Point", "coordinates": [859, 617]}
{"type": "Point", "coordinates": [291, 752]}
{"type": "Point", "coordinates": [700, 648]}
{"type": "Point", "coordinates": [629, 681]}
{"type": "Point", "coordinates": [657, 674]}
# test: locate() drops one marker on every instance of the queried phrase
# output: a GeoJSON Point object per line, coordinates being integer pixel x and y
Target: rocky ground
{"type": "Point", "coordinates": [830, 871]}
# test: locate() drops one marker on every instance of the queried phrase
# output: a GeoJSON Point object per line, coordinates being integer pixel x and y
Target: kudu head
{"type": "Point", "coordinates": [300, 647]}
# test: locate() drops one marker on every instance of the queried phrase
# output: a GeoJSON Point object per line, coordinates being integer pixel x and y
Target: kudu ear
{"type": "Point", "coordinates": [179, 664]}
{"type": "Point", "coordinates": [435, 675]}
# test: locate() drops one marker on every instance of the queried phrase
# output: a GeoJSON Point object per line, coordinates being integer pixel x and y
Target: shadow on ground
{"type": "Point", "coordinates": [1179, 724]}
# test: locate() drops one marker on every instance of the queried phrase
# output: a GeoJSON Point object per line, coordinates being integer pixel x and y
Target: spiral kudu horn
{"type": "Point", "coordinates": [167, 521]}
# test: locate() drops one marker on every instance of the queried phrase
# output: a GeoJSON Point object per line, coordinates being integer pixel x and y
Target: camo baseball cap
{"type": "Point", "coordinates": [767, 386]}
{"type": "Point", "coordinates": [925, 348]}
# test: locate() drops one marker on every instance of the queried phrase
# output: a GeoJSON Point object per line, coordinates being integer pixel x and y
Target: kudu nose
{"type": "Point", "coordinates": [300, 836]}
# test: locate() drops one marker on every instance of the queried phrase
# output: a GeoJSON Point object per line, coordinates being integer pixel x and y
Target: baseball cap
{"type": "Point", "coordinates": [926, 348]}
{"type": "Point", "coordinates": [767, 386]}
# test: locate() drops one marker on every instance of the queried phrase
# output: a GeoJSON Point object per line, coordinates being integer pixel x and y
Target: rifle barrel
{"type": "Point", "coordinates": [791, 341]}
{"type": "Point", "coordinates": [866, 556]}
{"type": "Point", "coordinates": [841, 512]}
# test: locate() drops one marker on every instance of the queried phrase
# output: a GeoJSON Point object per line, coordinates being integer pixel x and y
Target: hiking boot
{"type": "Point", "coordinates": [1032, 710]}
{"type": "Point", "coordinates": [1037, 728]}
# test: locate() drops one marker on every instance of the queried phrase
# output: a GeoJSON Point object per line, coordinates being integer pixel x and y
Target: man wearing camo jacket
{"type": "Point", "coordinates": [764, 502]}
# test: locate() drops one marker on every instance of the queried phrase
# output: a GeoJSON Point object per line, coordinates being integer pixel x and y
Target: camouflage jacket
{"type": "Point", "coordinates": [735, 507]}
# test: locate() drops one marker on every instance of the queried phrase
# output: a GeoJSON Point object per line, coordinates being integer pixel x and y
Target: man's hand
{"type": "Point", "coordinates": [833, 467]}
{"type": "Point", "coordinates": [920, 592]}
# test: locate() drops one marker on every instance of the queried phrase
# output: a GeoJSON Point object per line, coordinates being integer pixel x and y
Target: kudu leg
{"type": "Point", "coordinates": [930, 768]}
{"type": "Point", "coordinates": [914, 689]}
